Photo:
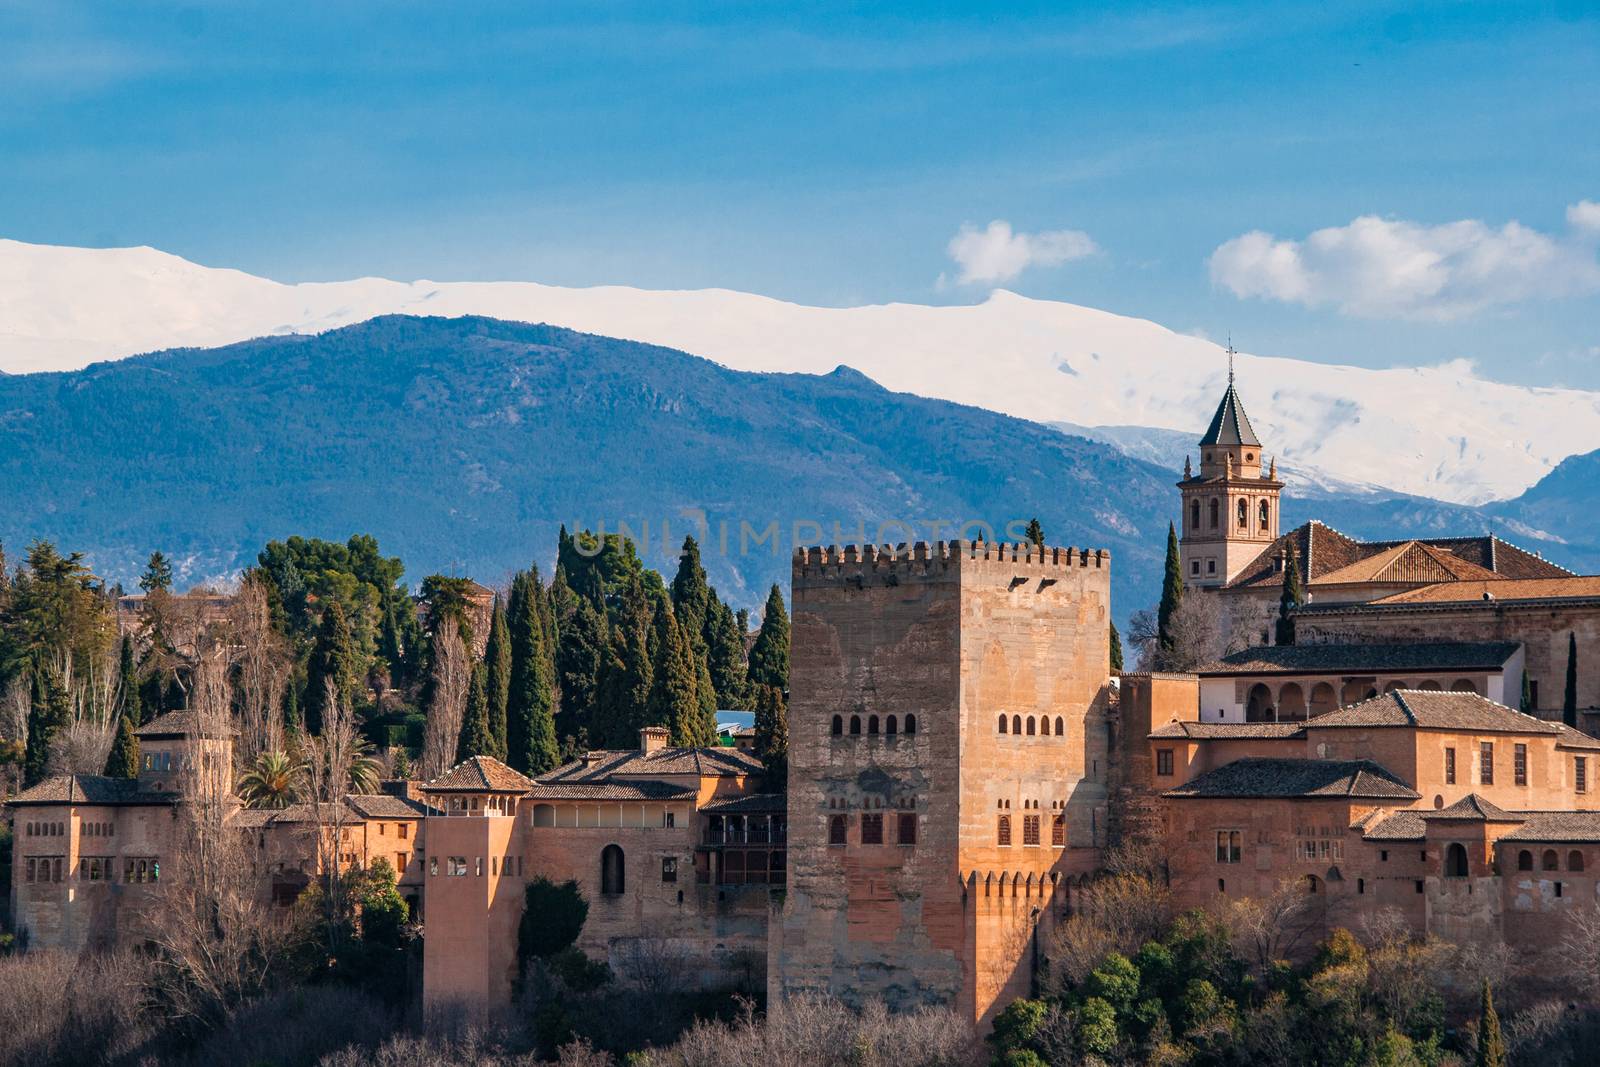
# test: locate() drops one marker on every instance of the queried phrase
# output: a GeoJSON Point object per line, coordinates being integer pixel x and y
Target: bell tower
{"type": "Point", "coordinates": [1230, 508]}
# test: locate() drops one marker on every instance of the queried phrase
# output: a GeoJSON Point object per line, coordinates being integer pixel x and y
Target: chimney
{"type": "Point", "coordinates": [653, 739]}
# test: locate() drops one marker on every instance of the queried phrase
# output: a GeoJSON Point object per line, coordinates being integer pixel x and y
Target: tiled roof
{"type": "Point", "coordinates": [753, 803]}
{"type": "Point", "coordinates": [1239, 731]}
{"type": "Point", "coordinates": [711, 762]}
{"type": "Point", "coordinates": [1500, 590]}
{"type": "Point", "coordinates": [645, 790]}
{"type": "Point", "coordinates": [480, 774]}
{"type": "Point", "coordinates": [1230, 425]}
{"type": "Point", "coordinates": [1398, 826]}
{"type": "Point", "coordinates": [1571, 738]}
{"type": "Point", "coordinates": [1296, 659]}
{"type": "Point", "coordinates": [183, 723]}
{"type": "Point", "coordinates": [317, 813]}
{"type": "Point", "coordinates": [1409, 562]}
{"type": "Point", "coordinates": [1434, 710]}
{"type": "Point", "coordinates": [386, 806]}
{"type": "Point", "coordinates": [1255, 777]}
{"type": "Point", "coordinates": [1575, 827]}
{"type": "Point", "coordinates": [1472, 808]}
{"type": "Point", "coordinates": [89, 789]}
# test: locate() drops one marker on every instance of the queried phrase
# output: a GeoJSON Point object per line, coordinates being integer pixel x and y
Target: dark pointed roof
{"type": "Point", "coordinates": [1256, 776]}
{"type": "Point", "coordinates": [1230, 425]}
{"type": "Point", "coordinates": [1473, 808]}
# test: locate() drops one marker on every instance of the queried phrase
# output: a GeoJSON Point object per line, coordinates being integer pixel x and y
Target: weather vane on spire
{"type": "Point", "coordinates": [1231, 354]}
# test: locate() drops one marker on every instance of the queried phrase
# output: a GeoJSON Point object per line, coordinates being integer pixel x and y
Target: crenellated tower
{"type": "Point", "coordinates": [1230, 508]}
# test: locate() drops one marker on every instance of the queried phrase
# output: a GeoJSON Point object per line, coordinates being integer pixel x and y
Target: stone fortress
{"type": "Point", "coordinates": [961, 756]}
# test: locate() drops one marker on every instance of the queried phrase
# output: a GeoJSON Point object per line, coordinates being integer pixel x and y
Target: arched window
{"type": "Point", "coordinates": [1016, 724]}
{"type": "Point", "coordinates": [1291, 703]}
{"type": "Point", "coordinates": [891, 725]}
{"type": "Point", "coordinates": [872, 724]}
{"type": "Point", "coordinates": [911, 724]}
{"type": "Point", "coordinates": [1549, 861]}
{"type": "Point", "coordinates": [1059, 730]}
{"type": "Point", "coordinates": [544, 815]}
{"type": "Point", "coordinates": [1258, 706]}
{"type": "Point", "coordinates": [855, 724]}
{"type": "Point", "coordinates": [1455, 861]}
{"type": "Point", "coordinates": [1044, 725]}
{"type": "Point", "coordinates": [612, 874]}
{"type": "Point", "coordinates": [1462, 685]}
{"type": "Point", "coordinates": [1574, 860]}
{"type": "Point", "coordinates": [1216, 510]}
{"type": "Point", "coordinates": [1265, 514]}
{"type": "Point", "coordinates": [1313, 884]}
{"type": "Point", "coordinates": [1524, 860]}
{"type": "Point", "coordinates": [838, 725]}
{"type": "Point", "coordinates": [1430, 686]}
{"type": "Point", "coordinates": [1030, 725]}
{"type": "Point", "coordinates": [1002, 724]}
{"type": "Point", "coordinates": [1244, 514]}
{"type": "Point", "coordinates": [1323, 699]}
{"type": "Point", "coordinates": [1194, 514]}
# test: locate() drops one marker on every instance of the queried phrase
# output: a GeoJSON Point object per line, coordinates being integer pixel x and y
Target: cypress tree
{"type": "Point", "coordinates": [725, 656]}
{"type": "Point", "coordinates": [123, 761]}
{"type": "Point", "coordinates": [390, 645]}
{"type": "Point", "coordinates": [1171, 591]}
{"type": "Point", "coordinates": [769, 656]}
{"type": "Point", "coordinates": [1527, 695]}
{"type": "Point", "coordinates": [157, 574]}
{"type": "Point", "coordinates": [476, 737]}
{"type": "Point", "coordinates": [497, 678]}
{"type": "Point", "coordinates": [674, 700]}
{"type": "Point", "coordinates": [530, 720]}
{"type": "Point", "coordinates": [1290, 598]}
{"type": "Point", "coordinates": [691, 592]}
{"type": "Point", "coordinates": [1491, 1043]}
{"type": "Point", "coordinates": [772, 735]}
{"type": "Point", "coordinates": [332, 659]}
{"type": "Point", "coordinates": [1035, 533]}
{"type": "Point", "coordinates": [128, 694]}
{"type": "Point", "coordinates": [1116, 648]}
{"type": "Point", "coordinates": [583, 640]}
{"type": "Point", "coordinates": [152, 692]}
{"type": "Point", "coordinates": [1569, 699]}
{"type": "Point", "coordinates": [46, 718]}
{"type": "Point", "coordinates": [627, 678]}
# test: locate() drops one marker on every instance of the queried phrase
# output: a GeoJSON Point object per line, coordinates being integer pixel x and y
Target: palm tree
{"type": "Point", "coordinates": [365, 770]}
{"type": "Point", "coordinates": [273, 782]}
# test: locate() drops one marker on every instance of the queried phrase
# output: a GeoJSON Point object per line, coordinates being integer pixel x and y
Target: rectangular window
{"type": "Point", "coordinates": [1058, 830]}
{"type": "Point", "coordinates": [1519, 764]}
{"type": "Point", "coordinates": [669, 820]}
{"type": "Point", "coordinates": [1580, 773]}
{"type": "Point", "coordinates": [456, 867]}
{"type": "Point", "coordinates": [1449, 766]}
{"type": "Point", "coordinates": [669, 868]}
{"type": "Point", "coordinates": [1211, 566]}
{"type": "Point", "coordinates": [404, 829]}
{"type": "Point", "coordinates": [1003, 835]}
{"type": "Point", "coordinates": [1486, 762]}
{"type": "Point", "coordinates": [872, 828]}
{"type": "Point", "coordinates": [1164, 762]}
{"type": "Point", "coordinates": [1194, 567]}
{"type": "Point", "coordinates": [433, 865]}
{"type": "Point", "coordinates": [1030, 830]}
{"type": "Point", "coordinates": [1229, 844]}
{"type": "Point", "coordinates": [907, 829]}
{"type": "Point", "coordinates": [836, 830]}
{"type": "Point", "coordinates": [30, 868]}
{"type": "Point", "coordinates": [400, 861]}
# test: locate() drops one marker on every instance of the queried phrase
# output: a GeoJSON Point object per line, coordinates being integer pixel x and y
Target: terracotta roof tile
{"type": "Point", "coordinates": [645, 790]}
{"type": "Point", "coordinates": [1238, 731]}
{"type": "Point", "coordinates": [1398, 826]}
{"type": "Point", "coordinates": [1573, 827]}
{"type": "Point", "coordinates": [1409, 562]}
{"type": "Point", "coordinates": [1500, 590]}
{"type": "Point", "coordinates": [182, 723]}
{"type": "Point", "coordinates": [1257, 777]}
{"type": "Point", "coordinates": [753, 803]}
{"type": "Point", "coordinates": [480, 774]}
{"type": "Point", "coordinates": [1294, 659]}
{"type": "Point", "coordinates": [387, 806]}
{"type": "Point", "coordinates": [89, 789]}
{"type": "Point", "coordinates": [1472, 808]}
{"type": "Point", "coordinates": [1432, 710]}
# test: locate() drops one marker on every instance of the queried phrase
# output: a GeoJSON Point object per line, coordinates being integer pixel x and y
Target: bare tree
{"type": "Point", "coordinates": [1579, 951]}
{"type": "Point", "coordinates": [336, 764]}
{"type": "Point", "coordinates": [1266, 929]}
{"type": "Point", "coordinates": [452, 675]}
{"type": "Point", "coordinates": [654, 964]}
{"type": "Point", "coordinates": [1199, 636]}
{"type": "Point", "coordinates": [1114, 914]}
{"type": "Point", "coordinates": [262, 671]}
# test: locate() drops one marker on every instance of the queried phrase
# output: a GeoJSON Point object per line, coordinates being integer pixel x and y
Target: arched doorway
{"type": "Point", "coordinates": [613, 874]}
{"type": "Point", "coordinates": [1258, 706]}
{"type": "Point", "coordinates": [1291, 703]}
{"type": "Point", "coordinates": [1462, 685]}
{"type": "Point", "coordinates": [1455, 861]}
{"type": "Point", "coordinates": [1430, 686]}
{"type": "Point", "coordinates": [1323, 699]}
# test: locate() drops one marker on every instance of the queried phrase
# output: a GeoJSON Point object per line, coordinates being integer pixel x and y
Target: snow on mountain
{"type": "Point", "coordinates": [1438, 431]}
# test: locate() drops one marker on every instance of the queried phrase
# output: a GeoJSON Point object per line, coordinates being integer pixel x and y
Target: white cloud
{"type": "Point", "coordinates": [1392, 268]}
{"type": "Point", "coordinates": [996, 254]}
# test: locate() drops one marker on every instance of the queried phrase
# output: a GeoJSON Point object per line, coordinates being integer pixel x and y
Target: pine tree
{"type": "Point", "coordinates": [332, 659]}
{"type": "Point", "coordinates": [1290, 598]}
{"type": "Point", "coordinates": [1491, 1043]}
{"type": "Point", "coordinates": [769, 656]}
{"type": "Point", "coordinates": [1171, 591]}
{"type": "Point", "coordinates": [123, 762]}
{"type": "Point", "coordinates": [1569, 699]}
{"type": "Point", "coordinates": [497, 679]}
{"type": "Point", "coordinates": [1116, 648]}
{"type": "Point", "coordinates": [128, 682]}
{"type": "Point", "coordinates": [725, 656]}
{"type": "Point", "coordinates": [47, 717]}
{"type": "Point", "coordinates": [530, 714]}
{"type": "Point", "coordinates": [674, 701]}
{"type": "Point", "coordinates": [772, 735]}
{"type": "Point", "coordinates": [476, 738]}
{"type": "Point", "coordinates": [1035, 533]}
{"type": "Point", "coordinates": [157, 574]}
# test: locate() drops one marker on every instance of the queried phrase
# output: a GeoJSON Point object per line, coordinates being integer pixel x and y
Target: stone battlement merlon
{"type": "Point", "coordinates": [928, 559]}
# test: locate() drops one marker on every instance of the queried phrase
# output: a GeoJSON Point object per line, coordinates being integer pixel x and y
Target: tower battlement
{"type": "Point", "coordinates": [822, 564]}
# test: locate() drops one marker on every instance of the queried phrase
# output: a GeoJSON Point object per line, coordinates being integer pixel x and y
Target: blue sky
{"type": "Point", "coordinates": [833, 153]}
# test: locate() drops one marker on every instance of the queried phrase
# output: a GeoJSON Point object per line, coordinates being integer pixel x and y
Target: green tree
{"type": "Point", "coordinates": [725, 656]}
{"type": "Point", "coordinates": [769, 656]}
{"type": "Point", "coordinates": [46, 718]}
{"type": "Point", "coordinates": [128, 696]}
{"type": "Point", "coordinates": [1526, 706]}
{"type": "Point", "coordinates": [383, 910]}
{"type": "Point", "coordinates": [552, 918]}
{"type": "Point", "coordinates": [691, 594]}
{"type": "Point", "coordinates": [1035, 533]}
{"type": "Point", "coordinates": [497, 677]}
{"type": "Point", "coordinates": [446, 598]}
{"type": "Point", "coordinates": [627, 675]}
{"type": "Point", "coordinates": [273, 781]}
{"type": "Point", "coordinates": [1569, 699]}
{"type": "Point", "coordinates": [477, 738]}
{"type": "Point", "coordinates": [1017, 1027]}
{"type": "Point", "coordinates": [1096, 1028]}
{"type": "Point", "coordinates": [531, 745]}
{"type": "Point", "coordinates": [157, 574]}
{"type": "Point", "coordinates": [772, 735]}
{"type": "Point", "coordinates": [123, 761]}
{"type": "Point", "coordinates": [1116, 648]}
{"type": "Point", "coordinates": [1171, 591]}
{"type": "Point", "coordinates": [674, 700]}
{"type": "Point", "coordinates": [1491, 1043]}
{"type": "Point", "coordinates": [582, 642]}
{"type": "Point", "coordinates": [1291, 596]}
{"type": "Point", "coordinates": [334, 660]}
{"type": "Point", "coordinates": [1116, 981]}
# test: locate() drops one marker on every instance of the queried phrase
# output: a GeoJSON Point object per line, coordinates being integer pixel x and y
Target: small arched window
{"type": "Point", "coordinates": [613, 878]}
{"type": "Point", "coordinates": [1549, 861]}
{"type": "Point", "coordinates": [1030, 725]}
{"type": "Point", "coordinates": [891, 725]}
{"type": "Point", "coordinates": [1244, 514]}
{"type": "Point", "coordinates": [1574, 860]}
{"type": "Point", "coordinates": [1455, 861]}
{"type": "Point", "coordinates": [1524, 860]}
{"type": "Point", "coordinates": [911, 724]}
{"type": "Point", "coordinates": [1016, 724]}
{"type": "Point", "coordinates": [1266, 513]}
{"type": "Point", "coordinates": [838, 725]}
{"type": "Point", "coordinates": [855, 724]}
{"type": "Point", "coordinates": [1044, 725]}
{"type": "Point", "coordinates": [1216, 510]}
{"type": "Point", "coordinates": [1003, 724]}
{"type": "Point", "coordinates": [872, 724]}
{"type": "Point", "coordinates": [1059, 726]}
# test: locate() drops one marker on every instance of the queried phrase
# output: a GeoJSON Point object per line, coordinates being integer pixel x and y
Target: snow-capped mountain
{"type": "Point", "coordinates": [1440, 431]}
